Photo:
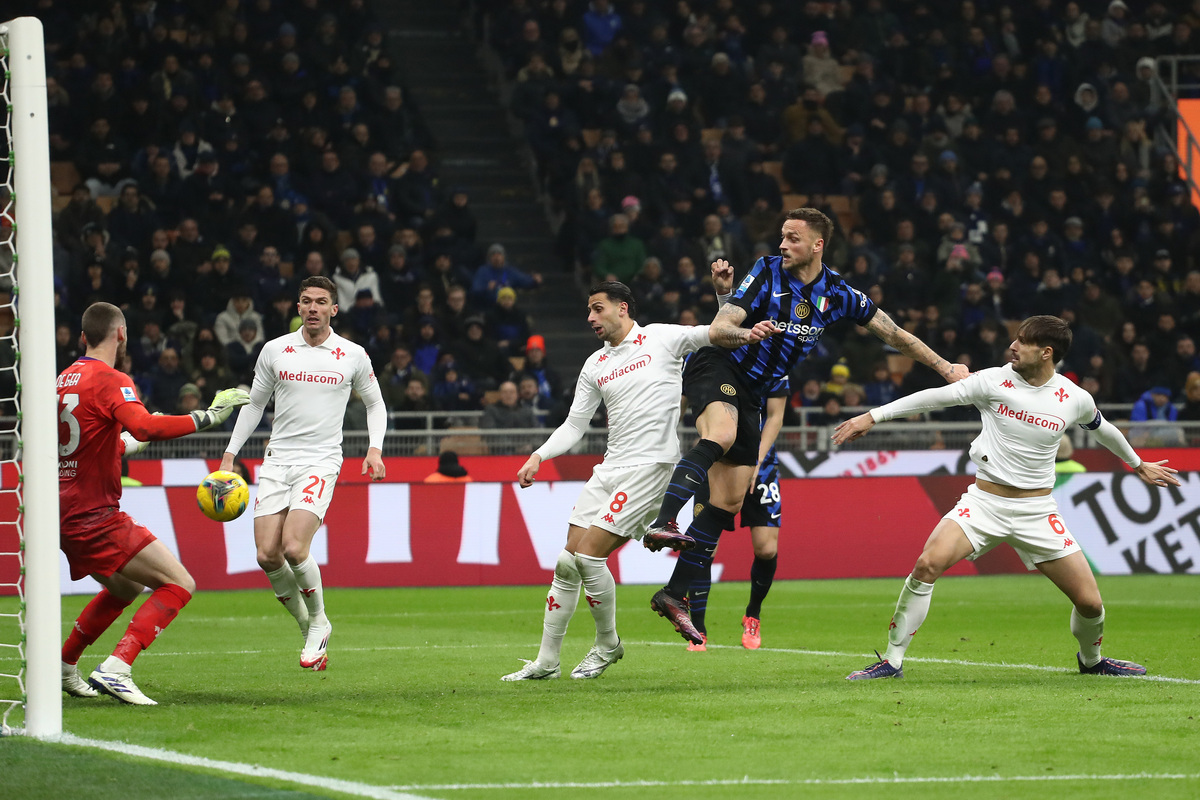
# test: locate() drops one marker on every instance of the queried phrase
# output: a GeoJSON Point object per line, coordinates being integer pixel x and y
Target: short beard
{"type": "Point", "coordinates": [122, 347]}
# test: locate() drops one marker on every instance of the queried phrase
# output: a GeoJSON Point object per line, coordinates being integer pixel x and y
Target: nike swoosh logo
{"type": "Point", "coordinates": [690, 479]}
{"type": "Point", "coordinates": [774, 516]}
{"type": "Point", "coordinates": [780, 294]}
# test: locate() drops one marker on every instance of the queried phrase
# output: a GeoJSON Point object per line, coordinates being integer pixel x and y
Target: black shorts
{"type": "Point", "coordinates": [710, 377]}
{"type": "Point", "coordinates": [762, 506]}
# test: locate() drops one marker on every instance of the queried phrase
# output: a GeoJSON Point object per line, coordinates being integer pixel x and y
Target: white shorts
{"type": "Point", "coordinates": [622, 500]}
{"type": "Point", "coordinates": [288, 487]}
{"type": "Point", "coordinates": [1031, 525]}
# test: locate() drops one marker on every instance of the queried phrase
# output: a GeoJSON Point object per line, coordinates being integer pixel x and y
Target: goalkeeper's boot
{"type": "Point", "coordinates": [596, 661]}
{"type": "Point", "coordinates": [313, 655]}
{"type": "Point", "coordinates": [1111, 666]}
{"type": "Point", "coordinates": [676, 612]}
{"type": "Point", "coordinates": [119, 683]}
{"type": "Point", "coordinates": [699, 648]}
{"type": "Point", "coordinates": [74, 684]}
{"type": "Point", "coordinates": [880, 669]}
{"type": "Point", "coordinates": [533, 671]}
{"type": "Point", "coordinates": [667, 535]}
{"type": "Point", "coordinates": [751, 638]}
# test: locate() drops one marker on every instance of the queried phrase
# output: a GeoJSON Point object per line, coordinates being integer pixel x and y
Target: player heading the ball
{"type": "Point", "coordinates": [310, 372]}
{"type": "Point", "coordinates": [95, 401]}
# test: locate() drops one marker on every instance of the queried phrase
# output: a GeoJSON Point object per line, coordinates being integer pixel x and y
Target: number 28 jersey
{"type": "Point", "coordinates": [89, 437]}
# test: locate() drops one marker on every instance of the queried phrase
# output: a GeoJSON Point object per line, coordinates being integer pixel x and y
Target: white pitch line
{"type": "Point", "coordinates": [917, 660]}
{"type": "Point", "coordinates": [748, 781]}
{"type": "Point", "coordinates": [252, 770]}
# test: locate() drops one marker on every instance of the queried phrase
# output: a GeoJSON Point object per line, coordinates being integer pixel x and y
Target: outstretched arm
{"type": "Point", "coordinates": [890, 333]}
{"type": "Point", "coordinates": [1154, 473]}
{"type": "Point", "coordinates": [727, 331]}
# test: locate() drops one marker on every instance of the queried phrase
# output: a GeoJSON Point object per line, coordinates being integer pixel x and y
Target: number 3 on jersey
{"type": "Point", "coordinates": [67, 417]}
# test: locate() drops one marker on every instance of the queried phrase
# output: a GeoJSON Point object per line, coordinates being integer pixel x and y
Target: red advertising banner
{"type": "Point", "coordinates": [491, 532]}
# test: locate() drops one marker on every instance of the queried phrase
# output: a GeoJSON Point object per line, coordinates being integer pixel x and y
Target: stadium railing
{"type": "Point", "coordinates": [433, 438]}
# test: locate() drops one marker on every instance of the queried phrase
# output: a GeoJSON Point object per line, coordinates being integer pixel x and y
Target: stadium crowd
{"type": "Point", "coordinates": [221, 153]}
{"type": "Point", "coordinates": [990, 161]}
{"type": "Point", "coordinates": [985, 161]}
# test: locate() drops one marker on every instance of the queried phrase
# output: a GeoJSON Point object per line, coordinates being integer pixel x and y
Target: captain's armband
{"type": "Point", "coordinates": [1094, 424]}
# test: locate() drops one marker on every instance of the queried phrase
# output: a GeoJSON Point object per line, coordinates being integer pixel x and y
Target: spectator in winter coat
{"type": "Point", "coordinates": [240, 309]}
{"type": "Point", "coordinates": [506, 324]}
{"type": "Point", "coordinates": [496, 273]}
{"type": "Point", "coordinates": [351, 277]}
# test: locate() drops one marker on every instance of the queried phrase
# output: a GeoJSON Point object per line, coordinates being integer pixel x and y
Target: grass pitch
{"type": "Point", "coordinates": [412, 703]}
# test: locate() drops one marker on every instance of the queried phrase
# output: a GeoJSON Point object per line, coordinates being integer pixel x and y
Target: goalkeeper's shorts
{"type": "Point", "coordinates": [104, 543]}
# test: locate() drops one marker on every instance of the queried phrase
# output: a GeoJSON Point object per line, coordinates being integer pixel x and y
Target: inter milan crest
{"type": "Point", "coordinates": [803, 310]}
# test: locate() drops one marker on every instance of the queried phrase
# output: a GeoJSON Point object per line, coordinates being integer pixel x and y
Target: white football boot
{"type": "Point", "coordinates": [74, 684]}
{"type": "Point", "coordinates": [119, 683]}
{"type": "Point", "coordinates": [313, 655]}
{"type": "Point", "coordinates": [596, 661]}
{"type": "Point", "coordinates": [533, 671]}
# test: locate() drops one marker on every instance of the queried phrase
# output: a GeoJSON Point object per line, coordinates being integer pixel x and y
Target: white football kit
{"type": "Point", "coordinates": [640, 382]}
{"type": "Point", "coordinates": [1022, 427]}
{"type": "Point", "coordinates": [311, 386]}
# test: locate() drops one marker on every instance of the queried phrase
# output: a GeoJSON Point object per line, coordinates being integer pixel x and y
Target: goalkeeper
{"type": "Point", "coordinates": [95, 402]}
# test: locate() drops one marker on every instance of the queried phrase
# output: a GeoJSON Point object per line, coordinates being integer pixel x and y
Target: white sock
{"type": "Point", "coordinates": [308, 579]}
{"type": "Point", "coordinates": [1089, 633]}
{"type": "Point", "coordinates": [560, 607]}
{"type": "Point", "coordinates": [911, 609]}
{"type": "Point", "coordinates": [114, 664]}
{"type": "Point", "coordinates": [601, 592]}
{"type": "Point", "coordinates": [287, 591]}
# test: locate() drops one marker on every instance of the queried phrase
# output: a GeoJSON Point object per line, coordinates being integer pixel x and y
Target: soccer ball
{"type": "Point", "coordinates": [222, 496]}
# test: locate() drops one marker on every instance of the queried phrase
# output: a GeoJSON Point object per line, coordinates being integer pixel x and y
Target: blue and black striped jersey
{"type": "Point", "coordinates": [801, 312]}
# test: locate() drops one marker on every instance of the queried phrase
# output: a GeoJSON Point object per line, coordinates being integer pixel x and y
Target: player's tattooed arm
{"type": "Point", "coordinates": [727, 331]}
{"type": "Point", "coordinates": [890, 333]}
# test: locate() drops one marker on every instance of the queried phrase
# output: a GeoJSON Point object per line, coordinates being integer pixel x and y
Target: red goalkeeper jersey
{"type": "Point", "coordinates": [95, 402]}
{"type": "Point", "coordinates": [89, 436]}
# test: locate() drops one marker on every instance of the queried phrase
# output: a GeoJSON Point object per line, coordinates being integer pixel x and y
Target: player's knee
{"type": "Point", "coordinates": [186, 582]}
{"type": "Point", "coordinates": [1089, 605]}
{"type": "Point", "coordinates": [565, 568]}
{"type": "Point", "coordinates": [269, 559]}
{"type": "Point", "coordinates": [927, 569]}
{"type": "Point", "coordinates": [765, 552]}
{"type": "Point", "coordinates": [295, 552]}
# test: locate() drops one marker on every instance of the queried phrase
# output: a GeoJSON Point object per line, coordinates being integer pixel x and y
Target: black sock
{"type": "Point", "coordinates": [762, 575]}
{"type": "Point", "coordinates": [690, 473]}
{"type": "Point", "coordinates": [698, 596]}
{"type": "Point", "coordinates": [706, 530]}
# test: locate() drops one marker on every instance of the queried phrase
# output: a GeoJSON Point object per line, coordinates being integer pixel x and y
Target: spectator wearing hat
{"type": "Point", "coordinates": [549, 383]}
{"type": "Point", "coordinates": [453, 390]}
{"type": "Point", "coordinates": [449, 470]}
{"type": "Point", "coordinates": [351, 276]}
{"type": "Point", "coordinates": [188, 400]}
{"type": "Point", "coordinates": [496, 274]}
{"type": "Point", "coordinates": [821, 70]}
{"type": "Point", "coordinates": [507, 324]}
{"type": "Point", "coordinates": [365, 316]}
{"type": "Point", "coordinates": [426, 347]}
{"type": "Point", "coordinates": [239, 309]}
{"type": "Point", "coordinates": [242, 352]}
{"type": "Point", "coordinates": [1154, 405]}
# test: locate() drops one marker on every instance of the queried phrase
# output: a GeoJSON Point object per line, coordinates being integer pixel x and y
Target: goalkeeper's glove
{"type": "Point", "coordinates": [222, 406]}
{"type": "Point", "coordinates": [132, 445]}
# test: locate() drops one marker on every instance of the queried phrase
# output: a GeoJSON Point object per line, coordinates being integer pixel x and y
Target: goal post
{"type": "Point", "coordinates": [36, 451]}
